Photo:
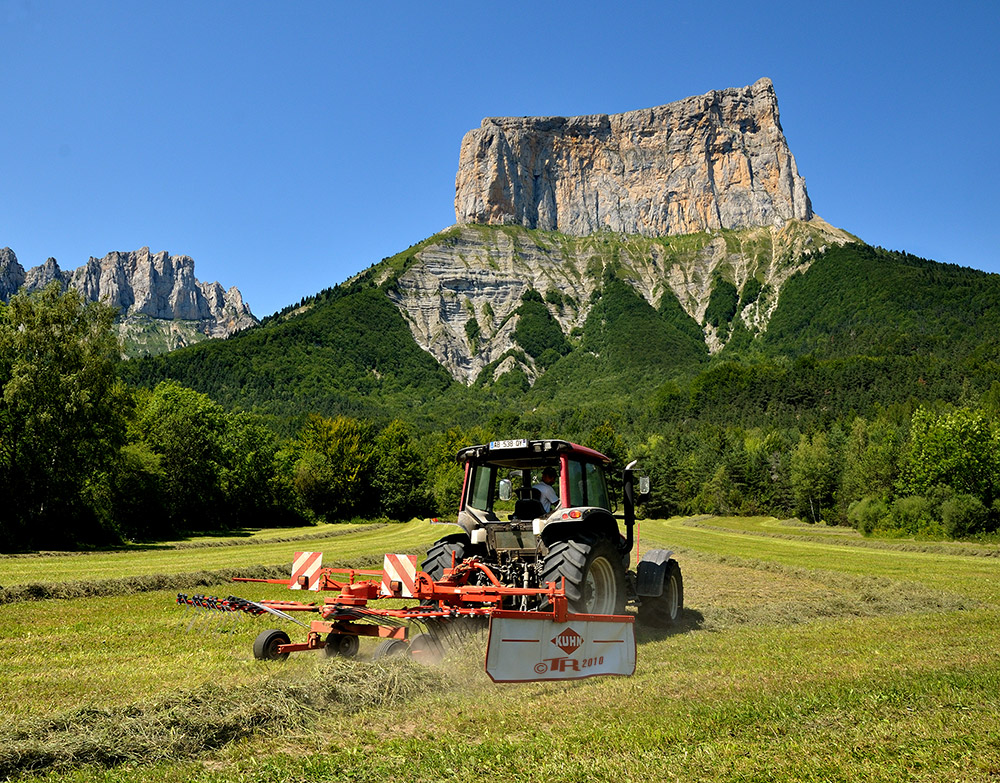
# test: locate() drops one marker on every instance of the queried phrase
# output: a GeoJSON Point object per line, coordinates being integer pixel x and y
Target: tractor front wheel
{"type": "Point", "coordinates": [664, 610]}
{"type": "Point", "coordinates": [265, 646]}
{"type": "Point", "coordinates": [594, 574]}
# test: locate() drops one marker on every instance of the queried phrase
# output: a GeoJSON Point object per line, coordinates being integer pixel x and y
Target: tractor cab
{"type": "Point", "coordinates": [503, 478]}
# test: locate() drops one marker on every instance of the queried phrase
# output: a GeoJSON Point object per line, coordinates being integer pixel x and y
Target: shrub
{"type": "Point", "coordinates": [866, 514]}
{"type": "Point", "coordinates": [912, 515]}
{"type": "Point", "coordinates": [963, 515]}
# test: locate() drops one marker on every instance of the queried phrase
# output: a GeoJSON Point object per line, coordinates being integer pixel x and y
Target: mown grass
{"type": "Point", "coordinates": [792, 664]}
{"type": "Point", "coordinates": [342, 548]}
{"type": "Point", "coordinates": [977, 578]}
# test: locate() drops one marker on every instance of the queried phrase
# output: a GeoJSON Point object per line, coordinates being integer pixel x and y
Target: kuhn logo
{"type": "Point", "coordinates": [568, 641]}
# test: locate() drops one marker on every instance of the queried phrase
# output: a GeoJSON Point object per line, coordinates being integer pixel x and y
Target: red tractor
{"type": "Point", "coordinates": [540, 511]}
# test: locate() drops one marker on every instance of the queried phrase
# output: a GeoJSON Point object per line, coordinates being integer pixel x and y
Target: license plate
{"type": "Point", "coordinates": [497, 445]}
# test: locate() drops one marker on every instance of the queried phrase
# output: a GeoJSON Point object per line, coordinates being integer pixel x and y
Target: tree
{"type": "Point", "coordinates": [335, 469]}
{"type": "Point", "coordinates": [186, 430]}
{"type": "Point", "coordinates": [813, 477]}
{"type": "Point", "coordinates": [62, 416]}
{"type": "Point", "coordinates": [400, 474]}
{"type": "Point", "coordinates": [960, 449]}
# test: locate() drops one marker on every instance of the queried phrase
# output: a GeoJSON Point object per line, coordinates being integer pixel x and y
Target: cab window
{"type": "Point", "coordinates": [597, 490]}
{"type": "Point", "coordinates": [577, 488]}
{"type": "Point", "coordinates": [481, 493]}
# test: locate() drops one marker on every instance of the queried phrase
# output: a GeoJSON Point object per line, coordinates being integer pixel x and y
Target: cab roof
{"type": "Point", "coordinates": [523, 453]}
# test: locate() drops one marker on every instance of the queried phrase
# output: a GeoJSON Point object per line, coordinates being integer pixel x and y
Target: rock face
{"type": "Point", "coordinates": [162, 286]}
{"type": "Point", "coordinates": [11, 274]}
{"type": "Point", "coordinates": [480, 273]}
{"type": "Point", "coordinates": [714, 161]}
{"type": "Point", "coordinates": [156, 290]}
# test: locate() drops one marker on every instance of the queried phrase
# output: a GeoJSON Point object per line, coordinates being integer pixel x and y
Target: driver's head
{"type": "Point", "coordinates": [549, 475]}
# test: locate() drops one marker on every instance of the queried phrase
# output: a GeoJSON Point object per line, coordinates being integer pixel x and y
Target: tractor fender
{"type": "Point", "coordinates": [595, 522]}
{"type": "Point", "coordinates": [651, 571]}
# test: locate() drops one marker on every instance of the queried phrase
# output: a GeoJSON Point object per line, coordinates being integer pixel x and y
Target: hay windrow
{"type": "Point", "coordinates": [210, 717]}
{"type": "Point", "coordinates": [844, 595]}
{"type": "Point", "coordinates": [929, 547]}
{"type": "Point", "coordinates": [249, 541]}
{"type": "Point", "coordinates": [95, 588]}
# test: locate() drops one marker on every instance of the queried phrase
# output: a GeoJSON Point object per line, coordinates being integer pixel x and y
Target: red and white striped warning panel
{"type": "Point", "coordinates": [305, 570]}
{"type": "Point", "coordinates": [399, 575]}
{"type": "Point", "coordinates": [525, 648]}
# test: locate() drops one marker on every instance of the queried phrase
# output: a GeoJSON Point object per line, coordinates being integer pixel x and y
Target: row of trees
{"type": "Point", "coordinates": [932, 472]}
{"type": "Point", "coordinates": [87, 459]}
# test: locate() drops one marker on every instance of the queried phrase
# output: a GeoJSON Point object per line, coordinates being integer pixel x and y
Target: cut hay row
{"type": "Point", "coordinates": [853, 538]}
{"type": "Point", "coordinates": [329, 531]}
{"type": "Point", "coordinates": [183, 726]}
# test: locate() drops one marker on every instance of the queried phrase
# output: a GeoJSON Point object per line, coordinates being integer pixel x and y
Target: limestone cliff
{"type": "Point", "coordinates": [480, 273]}
{"type": "Point", "coordinates": [714, 161]}
{"type": "Point", "coordinates": [11, 274]}
{"type": "Point", "coordinates": [162, 305]}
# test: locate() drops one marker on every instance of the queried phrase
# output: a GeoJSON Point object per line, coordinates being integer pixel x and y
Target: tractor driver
{"type": "Point", "coordinates": [549, 497]}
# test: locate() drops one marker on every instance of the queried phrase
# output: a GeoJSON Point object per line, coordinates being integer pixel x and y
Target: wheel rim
{"type": "Point", "coordinates": [271, 652]}
{"type": "Point", "coordinates": [672, 597]}
{"type": "Point", "coordinates": [599, 588]}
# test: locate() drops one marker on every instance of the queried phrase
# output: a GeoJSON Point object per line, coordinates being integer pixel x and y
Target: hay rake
{"type": "Point", "coordinates": [532, 635]}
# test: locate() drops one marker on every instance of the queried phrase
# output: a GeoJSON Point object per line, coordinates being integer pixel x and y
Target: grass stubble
{"type": "Point", "coordinates": [779, 672]}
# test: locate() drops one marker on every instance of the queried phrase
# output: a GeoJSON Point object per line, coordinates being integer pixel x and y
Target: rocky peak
{"type": "Point", "coordinates": [161, 303]}
{"type": "Point", "coordinates": [11, 274]}
{"type": "Point", "coordinates": [40, 276]}
{"type": "Point", "coordinates": [714, 161]}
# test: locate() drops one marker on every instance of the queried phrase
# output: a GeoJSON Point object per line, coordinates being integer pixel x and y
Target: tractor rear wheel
{"type": "Point", "coordinates": [664, 611]}
{"type": "Point", "coordinates": [265, 646]}
{"type": "Point", "coordinates": [444, 551]}
{"type": "Point", "coordinates": [594, 573]}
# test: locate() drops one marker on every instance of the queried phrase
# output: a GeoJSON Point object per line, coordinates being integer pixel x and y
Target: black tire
{"type": "Point", "coordinates": [594, 573]}
{"type": "Point", "coordinates": [341, 644]}
{"type": "Point", "coordinates": [664, 611]}
{"type": "Point", "coordinates": [265, 646]}
{"type": "Point", "coordinates": [389, 648]}
{"type": "Point", "coordinates": [439, 556]}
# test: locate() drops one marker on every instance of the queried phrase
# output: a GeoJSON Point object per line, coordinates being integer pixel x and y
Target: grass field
{"type": "Point", "coordinates": [805, 654]}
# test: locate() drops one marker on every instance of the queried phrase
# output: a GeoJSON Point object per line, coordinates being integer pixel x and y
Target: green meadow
{"type": "Point", "coordinates": [805, 653]}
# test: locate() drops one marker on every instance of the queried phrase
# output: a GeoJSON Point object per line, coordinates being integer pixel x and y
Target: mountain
{"type": "Point", "coordinates": [711, 289]}
{"type": "Point", "coordinates": [713, 161]}
{"type": "Point", "coordinates": [162, 305]}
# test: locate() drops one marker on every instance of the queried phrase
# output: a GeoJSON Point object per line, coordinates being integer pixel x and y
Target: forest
{"type": "Point", "coordinates": [872, 401]}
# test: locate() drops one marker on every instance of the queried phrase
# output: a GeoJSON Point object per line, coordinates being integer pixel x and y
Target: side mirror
{"type": "Point", "coordinates": [643, 485]}
{"type": "Point", "coordinates": [505, 489]}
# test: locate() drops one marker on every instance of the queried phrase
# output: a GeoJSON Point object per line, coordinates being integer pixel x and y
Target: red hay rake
{"type": "Point", "coordinates": [532, 633]}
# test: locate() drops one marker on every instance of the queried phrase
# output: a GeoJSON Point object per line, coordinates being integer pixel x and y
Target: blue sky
{"type": "Point", "coordinates": [286, 146]}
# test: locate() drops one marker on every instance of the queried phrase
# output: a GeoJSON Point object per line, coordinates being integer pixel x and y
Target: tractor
{"type": "Point", "coordinates": [547, 569]}
{"type": "Point", "coordinates": [573, 541]}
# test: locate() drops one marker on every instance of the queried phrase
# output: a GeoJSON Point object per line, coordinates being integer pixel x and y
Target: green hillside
{"type": "Point", "coordinates": [351, 353]}
{"type": "Point", "coordinates": [861, 327]}
{"type": "Point", "coordinates": [860, 300]}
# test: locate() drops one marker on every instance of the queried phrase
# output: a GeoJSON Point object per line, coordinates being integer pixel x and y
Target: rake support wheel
{"type": "Point", "coordinates": [265, 646]}
{"type": "Point", "coordinates": [342, 645]}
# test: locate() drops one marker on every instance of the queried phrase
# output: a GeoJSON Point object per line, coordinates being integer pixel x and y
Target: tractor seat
{"type": "Point", "coordinates": [530, 508]}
